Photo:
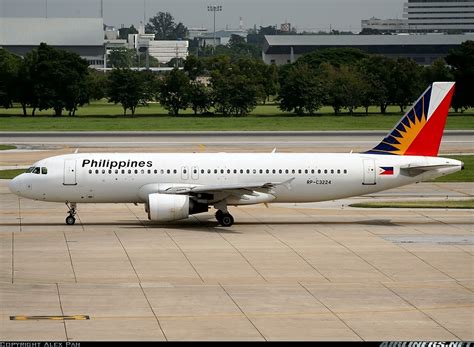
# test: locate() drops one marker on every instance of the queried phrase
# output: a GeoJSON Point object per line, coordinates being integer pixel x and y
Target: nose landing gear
{"type": "Point", "coordinates": [70, 220]}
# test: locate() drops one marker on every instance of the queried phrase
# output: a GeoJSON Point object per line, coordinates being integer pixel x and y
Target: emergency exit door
{"type": "Point", "coordinates": [369, 172]}
{"type": "Point", "coordinates": [70, 172]}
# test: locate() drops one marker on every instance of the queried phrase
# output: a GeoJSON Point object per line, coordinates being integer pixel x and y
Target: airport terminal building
{"type": "Point", "coordinates": [424, 49]}
{"type": "Point", "coordinates": [84, 36]}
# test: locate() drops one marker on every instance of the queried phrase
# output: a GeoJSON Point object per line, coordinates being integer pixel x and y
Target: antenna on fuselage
{"type": "Point", "coordinates": [76, 151]}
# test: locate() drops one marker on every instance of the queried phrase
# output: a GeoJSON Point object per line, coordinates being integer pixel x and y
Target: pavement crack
{"type": "Point", "coordinates": [329, 309]}
{"type": "Point", "coordinates": [128, 257]}
{"type": "Point", "coordinates": [242, 311]}
{"type": "Point", "coordinates": [420, 310]}
{"type": "Point", "coordinates": [153, 311]}
{"type": "Point", "coordinates": [70, 256]}
{"type": "Point", "coordinates": [62, 311]}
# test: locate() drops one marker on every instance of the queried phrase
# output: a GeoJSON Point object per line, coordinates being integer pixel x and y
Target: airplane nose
{"type": "Point", "coordinates": [15, 185]}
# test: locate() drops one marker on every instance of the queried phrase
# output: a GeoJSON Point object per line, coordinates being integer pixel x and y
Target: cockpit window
{"type": "Point", "coordinates": [30, 169]}
{"type": "Point", "coordinates": [36, 170]}
{"type": "Point", "coordinates": [44, 171]}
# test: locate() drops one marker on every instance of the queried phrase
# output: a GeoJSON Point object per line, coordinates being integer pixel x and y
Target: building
{"type": "Point", "coordinates": [385, 25]}
{"type": "Point", "coordinates": [222, 37]}
{"type": "Point", "coordinates": [424, 49]}
{"type": "Point", "coordinates": [84, 36]}
{"type": "Point", "coordinates": [162, 50]}
{"type": "Point", "coordinates": [197, 32]}
{"type": "Point", "coordinates": [455, 16]}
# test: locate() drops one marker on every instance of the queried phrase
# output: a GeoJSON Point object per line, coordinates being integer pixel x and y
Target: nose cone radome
{"type": "Point", "coordinates": [15, 185]}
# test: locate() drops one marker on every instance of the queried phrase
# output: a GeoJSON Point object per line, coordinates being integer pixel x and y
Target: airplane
{"type": "Point", "coordinates": [174, 186]}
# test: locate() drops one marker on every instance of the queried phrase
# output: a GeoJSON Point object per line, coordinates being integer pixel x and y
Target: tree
{"type": "Point", "coordinates": [165, 28]}
{"type": "Point", "coordinates": [301, 91]}
{"type": "Point", "coordinates": [59, 78]}
{"type": "Point", "coordinates": [27, 86]}
{"type": "Point", "coordinates": [193, 66]}
{"type": "Point", "coordinates": [121, 57]}
{"type": "Point", "coordinates": [462, 62]}
{"type": "Point", "coordinates": [378, 72]}
{"type": "Point", "coordinates": [130, 89]}
{"type": "Point", "coordinates": [407, 83]}
{"type": "Point", "coordinates": [437, 72]}
{"type": "Point", "coordinates": [234, 94]}
{"type": "Point", "coordinates": [173, 94]}
{"type": "Point", "coordinates": [333, 56]}
{"type": "Point", "coordinates": [199, 97]}
{"type": "Point", "coordinates": [9, 70]}
{"type": "Point", "coordinates": [124, 32]}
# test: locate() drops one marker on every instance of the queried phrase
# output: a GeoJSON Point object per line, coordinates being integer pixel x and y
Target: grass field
{"type": "Point", "coordinates": [466, 175]}
{"type": "Point", "coordinates": [9, 174]}
{"type": "Point", "coordinates": [5, 147]}
{"type": "Point", "coordinates": [102, 116]}
{"type": "Point", "coordinates": [467, 204]}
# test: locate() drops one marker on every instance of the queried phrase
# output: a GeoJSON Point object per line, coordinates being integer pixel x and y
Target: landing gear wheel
{"type": "Point", "coordinates": [226, 220]}
{"type": "Point", "coordinates": [219, 215]}
{"type": "Point", "coordinates": [70, 220]}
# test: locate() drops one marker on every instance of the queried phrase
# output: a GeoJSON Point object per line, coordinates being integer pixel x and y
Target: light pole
{"type": "Point", "coordinates": [214, 8]}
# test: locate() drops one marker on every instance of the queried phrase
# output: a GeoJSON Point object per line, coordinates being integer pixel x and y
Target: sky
{"type": "Point", "coordinates": [310, 15]}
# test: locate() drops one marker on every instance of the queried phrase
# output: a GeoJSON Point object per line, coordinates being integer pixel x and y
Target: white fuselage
{"type": "Point", "coordinates": [119, 177]}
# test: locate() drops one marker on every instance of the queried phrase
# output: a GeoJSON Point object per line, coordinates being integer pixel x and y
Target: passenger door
{"type": "Point", "coordinates": [369, 172]}
{"type": "Point", "coordinates": [70, 172]}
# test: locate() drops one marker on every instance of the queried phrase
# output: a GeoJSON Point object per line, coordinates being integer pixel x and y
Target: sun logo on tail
{"type": "Point", "coordinates": [408, 129]}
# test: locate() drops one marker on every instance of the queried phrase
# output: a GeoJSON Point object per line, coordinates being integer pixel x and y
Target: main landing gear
{"type": "Point", "coordinates": [70, 220]}
{"type": "Point", "coordinates": [224, 219]}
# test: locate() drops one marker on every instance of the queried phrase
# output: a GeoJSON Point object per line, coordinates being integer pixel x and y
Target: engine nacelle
{"type": "Point", "coordinates": [167, 207]}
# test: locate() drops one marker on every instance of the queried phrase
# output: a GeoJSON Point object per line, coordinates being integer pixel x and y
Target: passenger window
{"type": "Point", "coordinates": [209, 171]}
{"type": "Point", "coordinates": [268, 171]}
{"type": "Point", "coordinates": [254, 171]}
{"type": "Point", "coordinates": [90, 171]}
{"type": "Point", "coordinates": [248, 171]}
{"type": "Point", "coordinates": [319, 171]}
{"type": "Point", "coordinates": [96, 172]}
{"type": "Point", "coordinates": [299, 171]}
{"type": "Point", "coordinates": [123, 172]}
{"type": "Point", "coordinates": [235, 171]}
{"type": "Point", "coordinates": [176, 171]}
{"type": "Point", "coordinates": [202, 171]}
{"type": "Point", "coordinates": [129, 172]}
{"type": "Point", "coordinates": [305, 171]}
{"type": "Point", "coordinates": [345, 171]}
{"type": "Point", "coordinates": [338, 171]}
{"type": "Point", "coordinates": [36, 170]}
{"type": "Point", "coordinates": [44, 171]}
{"type": "Point", "coordinates": [312, 171]}
{"type": "Point", "coordinates": [286, 171]}
{"type": "Point", "coordinates": [142, 171]}
{"type": "Point", "coordinates": [293, 171]}
{"type": "Point", "coordinates": [325, 171]}
{"type": "Point", "coordinates": [332, 171]}
{"type": "Point", "coordinates": [280, 171]}
{"type": "Point", "coordinates": [149, 171]}
{"type": "Point", "coordinates": [228, 171]}
{"type": "Point", "coordinates": [222, 171]}
{"type": "Point", "coordinates": [215, 171]}
{"type": "Point", "coordinates": [116, 171]}
{"type": "Point", "coordinates": [274, 171]}
{"type": "Point", "coordinates": [110, 172]}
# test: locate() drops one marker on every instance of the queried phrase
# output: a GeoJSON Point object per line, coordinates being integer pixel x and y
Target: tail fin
{"type": "Point", "coordinates": [420, 130]}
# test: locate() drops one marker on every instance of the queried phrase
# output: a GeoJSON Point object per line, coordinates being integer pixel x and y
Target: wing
{"type": "Point", "coordinates": [222, 191]}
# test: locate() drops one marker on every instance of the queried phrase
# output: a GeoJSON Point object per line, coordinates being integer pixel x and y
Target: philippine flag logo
{"type": "Point", "coordinates": [386, 170]}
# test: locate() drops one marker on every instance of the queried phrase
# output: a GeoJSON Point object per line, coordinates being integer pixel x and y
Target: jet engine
{"type": "Point", "coordinates": [170, 207]}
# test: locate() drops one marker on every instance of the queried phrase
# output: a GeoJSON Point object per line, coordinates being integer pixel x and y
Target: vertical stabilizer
{"type": "Point", "coordinates": [420, 130]}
